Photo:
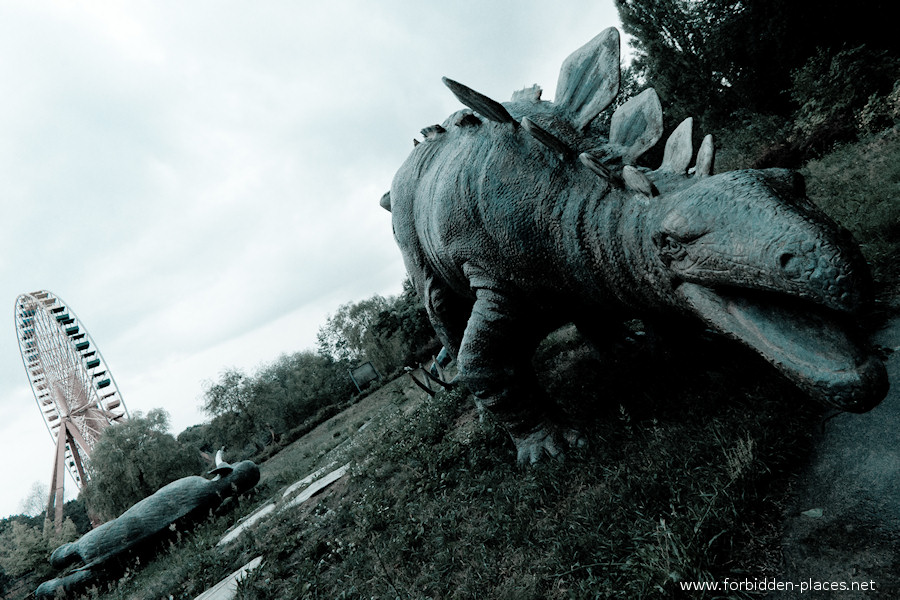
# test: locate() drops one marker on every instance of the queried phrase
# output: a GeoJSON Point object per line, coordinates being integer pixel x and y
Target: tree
{"type": "Point", "coordinates": [832, 86]}
{"type": "Point", "coordinates": [349, 334]}
{"type": "Point", "coordinates": [709, 58]}
{"type": "Point", "coordinates": [36, 501]}
{"type": "Point", "coordinates": [389, 332]}
{"type": "Point", "coordinates": [229, 394]}
{"type": "Point", "coordinates": [25, 547]}
{"type": "Point", "coordinates": [134, 459]}
{"type": "Point", "coordinates": [251, 412]}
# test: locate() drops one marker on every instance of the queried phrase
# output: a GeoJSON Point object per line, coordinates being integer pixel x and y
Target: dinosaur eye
{"type": "Point", "coordinates": [670, 248]}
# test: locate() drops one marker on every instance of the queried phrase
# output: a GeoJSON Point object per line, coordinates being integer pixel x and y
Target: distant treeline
{"type": "Point", "coordinates": [256, 414]}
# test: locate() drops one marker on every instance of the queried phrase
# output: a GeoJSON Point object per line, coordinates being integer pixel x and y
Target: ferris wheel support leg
{"type": "Point", "coordinates": [74, 435]}
{"type": "Point", "coordinates": [57, 481]}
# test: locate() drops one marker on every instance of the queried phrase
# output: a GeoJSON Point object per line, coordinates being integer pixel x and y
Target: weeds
{"type": "Point", "coordinates": [859, 186]}
{"type": "Point", "coordinates": [668, 491]}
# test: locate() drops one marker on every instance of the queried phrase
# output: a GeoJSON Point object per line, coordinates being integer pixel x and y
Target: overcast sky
{"type": "Point", "coordinates": [199, 180]}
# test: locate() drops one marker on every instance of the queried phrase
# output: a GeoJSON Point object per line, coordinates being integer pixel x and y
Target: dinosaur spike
{"type": "Point", "coordinates": [593, 161]}
{"type": "Point", "coordinates": [546, 138]}
{"type": "Point", "coordinates": [468, 120]}
{"type": "Point", "coordinates": [529, 94]}
{"type": "Point", "coordinates": [637, 125]}
{"type": "Point", "coordinates": [385, 201]}
{"type": "Point", "coordinates": [432, 131]}
{"type": "Point", "coordinates": [416, 142]}
{"type": "Point", "coordinates": [638, 182]}
{"type": "Point", "coordinates": [589, 78]}
{"type": "Point", "coordinates": [706, 157]}
{"type": "Point", "coordinates": [488, 108]}
{"type": "Point", "coordinates": [679, 149]}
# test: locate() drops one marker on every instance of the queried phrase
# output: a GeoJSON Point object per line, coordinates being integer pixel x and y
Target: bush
{"type": "Point", "coordinates": [859, 186]}
{"type": "Point", "coordinates": [880, 112]}
{"type": "Point", "coordinates": [833, 86]}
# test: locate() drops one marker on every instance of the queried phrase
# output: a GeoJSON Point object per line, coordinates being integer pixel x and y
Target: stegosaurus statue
{"type": "Point", "coordinates": [515, 218]}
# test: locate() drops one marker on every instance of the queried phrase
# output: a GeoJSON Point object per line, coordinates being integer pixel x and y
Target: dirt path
{"type": "Point", "coordinates": [854, 480]}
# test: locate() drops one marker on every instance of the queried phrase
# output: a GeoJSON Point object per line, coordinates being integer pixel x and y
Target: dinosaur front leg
{"type": "Point", "coordinates": [495, 362]}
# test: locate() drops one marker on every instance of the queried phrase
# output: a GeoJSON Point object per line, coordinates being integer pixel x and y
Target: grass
{"type": "Point", "coordinates": [670, 489]}
{"type": "Point", "coordinates": [682, 479]}
{"type": "Point", "coordinates": [859, 186]}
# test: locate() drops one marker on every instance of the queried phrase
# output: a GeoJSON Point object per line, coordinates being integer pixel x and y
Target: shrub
{"type": "Point", "coordinates": [859, 186]}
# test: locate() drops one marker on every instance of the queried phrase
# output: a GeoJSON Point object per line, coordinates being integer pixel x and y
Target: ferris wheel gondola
{"type": "Point", "coordinates": [74, 389]}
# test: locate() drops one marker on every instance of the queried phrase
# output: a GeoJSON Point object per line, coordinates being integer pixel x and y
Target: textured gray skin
{"type": "Point", "coordinates": [513, 219]}
{"type": "Point", "coordinates": [182, 499]}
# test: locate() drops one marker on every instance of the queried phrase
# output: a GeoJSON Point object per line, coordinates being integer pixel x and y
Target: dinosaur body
{"type": "Point", "coordinates": [515, 218]}
{"type": "Point", "coordinates": [179, 502]}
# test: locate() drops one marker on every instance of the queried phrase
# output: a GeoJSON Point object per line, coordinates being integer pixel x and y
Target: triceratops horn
{"type": "Point", "coordinates": [706, 157]}
{"type": "Point", "coordinates": [222, 467]}
{"type": "Point", "coordinates": [546, 138]}
{"type": "Point", "coordinates": [385, 201]}
{"type": "Point", "coordinates": [490, 109]}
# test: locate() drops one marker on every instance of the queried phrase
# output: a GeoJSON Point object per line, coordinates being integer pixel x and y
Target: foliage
{"type": "Point", "coordinates": [880, 112]}
{"type": "Point", "coordinates": [390, 332]}
{"type": "Point", "coordinates": [133, 460]}
{"type": "Point", "coordinates": [25, 545]}
{"type": "Point", "coordinates": [859, 186]}
{"type": "Point", "coordinates": [251, 412]}
{"type": "Point", "coordinates": [349, 333]}
{"type": "Point", "coordinates": [748, 137]}
{"type": "Point", "coordinates": [36, 501]}
{"type": "Point", "coordinates": [831, 87]}
{"type": "Point", "coordinates": [709, 58]}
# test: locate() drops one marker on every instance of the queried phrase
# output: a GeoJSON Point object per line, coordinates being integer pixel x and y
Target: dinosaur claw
{"type": "Point", "coordinates": [546, 439]}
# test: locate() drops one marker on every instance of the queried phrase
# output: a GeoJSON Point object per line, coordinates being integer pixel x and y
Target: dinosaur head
{"type": "Point", "coordinates": [748, 254]}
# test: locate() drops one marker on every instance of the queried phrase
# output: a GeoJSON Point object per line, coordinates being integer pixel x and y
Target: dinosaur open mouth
{"type": "Point", "coordinates": [812, 346]}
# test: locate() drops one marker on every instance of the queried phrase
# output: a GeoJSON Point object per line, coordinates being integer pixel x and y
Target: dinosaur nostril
{"type": "Point", "coordinates": [785, 260]}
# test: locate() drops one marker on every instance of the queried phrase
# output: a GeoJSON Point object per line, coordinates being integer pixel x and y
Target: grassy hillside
{"type": "Point", "coordinates": [859, 186]}
{"type": "Point", "coordinates": [683, 479]}
{"type": "Point", "coordinates": [689, 459]}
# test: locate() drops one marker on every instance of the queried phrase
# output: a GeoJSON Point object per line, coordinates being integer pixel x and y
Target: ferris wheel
{"type": "Point", "coordinates": [74, 389]}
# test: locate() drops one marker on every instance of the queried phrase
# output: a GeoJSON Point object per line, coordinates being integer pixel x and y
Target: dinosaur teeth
{"type": "Point", "coordinates": [486, 107]}
{"type": "Point", "coordinates": [547, 138]}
